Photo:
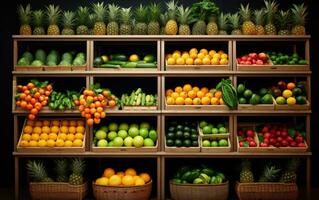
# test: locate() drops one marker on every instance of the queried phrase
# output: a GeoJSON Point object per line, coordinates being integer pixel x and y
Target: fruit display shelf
{"type": "Point", "coordinates": [161, 44]}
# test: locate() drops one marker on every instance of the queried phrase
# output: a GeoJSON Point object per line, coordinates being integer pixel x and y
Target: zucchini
{"type": "Point", "coordinates": [120, 57]}
{"type": "Point", "coordinates": [110, 66]}
{"type": "Point", "coordinates": [146, 65]}
{"type": "Point", "coordinates": [130, 65]}
{"type": "Point", "coordinates": [116, 62]}
{"type": "Point", "coordinates": [143, 99]}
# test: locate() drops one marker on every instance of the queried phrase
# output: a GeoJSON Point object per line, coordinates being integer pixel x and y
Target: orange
{"type": "Point", "coordinates": [188, 101]}
{"type": "Point", "coordinates": [44, 136]}
{"type": "Point", "coordinates": [54, 129]}
{"type": "Point", "coordinates": [46, 123]}
{"type": "Point", "coordinates": [206, 61]}
{"type": "Point", "coordinates": [214, 61]}
{"type": "Point", "coordinates": [24, 143]}
{"type": "Point", "coordinates": [176, 55]}
{"type": "Point", "coordinates": [64, 129]}
{"type": "Point", "coordinates": [180, 61]}
{"type": "Point", "coordinates": [220, 52]}
{"type": "Point", "coordinates": [169, 92]}
{"type": "Point", "coordinates": [291, 86]}
{"type": "Point", "coordinates": [204, 90]}
{"type": "Point", "coordinates": [26, 137]}
{"type": "Point", "coordinates": [65, 123]}
{"type": "Point", "coordinates": [189, 61]}
{"type": "Point", "coordinates": [55, 123]}
{"type": "Point", "coordinates": [72, 129]}
{"type": "Point", "coordinates": [193, 55]}
{"type": "Point", "coordinates": [224, 56]}
{"type": "Point", "coordinates": [187, 88]}
{"type": "Point", "coordinates": [191, 94]}
{"type": "Point", "coordinates": [45, 129]}
{"type": "Point", "coordinates": [72, 123]}
{"type": "Point", "coordinates": [108, 172]}
{"type": "Point", "coordinates": [209, 95]}
{"type": "Point", "coordinates": [35, 136]}
{"type": "Point", "coordinates": [171, 61]}
{"type": "Point", "coordinates": [185, 55]}
{"type": "Point", "coordinates": [130, 171]}
{"type": "Point", "coordinates": [70, 136]}
{"type": "Point", "coordinates": [205, 101]}
{"type": "Point", "coordinates": [115, 180]}
{"type": "Point", "coordinates": [195, 89]}
{"type": "Point", "coordinates": [128, 180]}
{"type": "Point", "coordinates": [178, 89]}
{"type": "Point", "coordinates": [175, 95]}
{"type": "Point", "coordinates": [170, 101]}
{"type": "Point", "coordinates": [218, 94]}
{"type": "Point", "coordinates": [201, 55]}
{"type": "Point", "coordinates": [216, 56]}
{"type": "Point", "coordinates": [136, 177]}
{"type": "Point", "coordinates": [221, 101]}
{"type": "Point", "coordinates": [223, 61]}
{"type": "Point", "coordinates": [80, 129]}
{"type": "Point", "coordinates": [203, 51]}
{"type": "Point", "coordinates": [39, 123]}
{"type": "Point", "coordinates": [28, 129]}
{"type": "Point", "coordinates": [139, 181]}
{"type": "Point", "coordinates": [198, 61]}
{"type": "Point", "coordinates": [193, 50]}
{"type": "Point", "coordinates": [37, 130]}
{"type": "Point", "coordinates": [121, 174]}
{"type": "Point", "coordinates": [214, 101]}
{"type": "Point", "coordinates": [196, 101]}
{"type": "Point", "coordinates": [211, 53]}
{"type": "Point", "coordinates": [79, 136]}
{"type": "Point", "coordinates": [61, 136]}
{"type": "Point", "coordinates": [200, 94]}
{"type": "Point", "coordinates": [177, 52]}
{"type": "Point", "coordinates": [179, 101]}
{"type": "Point", "coordinates": [183, 94]}
{"type": "Point", "coordinates": [145, 176]}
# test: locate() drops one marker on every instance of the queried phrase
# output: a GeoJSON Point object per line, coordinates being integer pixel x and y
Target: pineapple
{"type": "Point", "coordinates": [99, 10]}
{"type": "Point", "coordinates": [163, 21]}
{"type": "Point", "coordinates": [126, 25]}
{"type": "Point", "coordinates": [68, 20]}
{"type": "Point", "coordinates": [171, 27]}
{"type": "Point", "coordinates": [53, 16]}
{"type": "Point", "coordinates": [212, 27]}
{"type": "Point", "coordinates": [61, 170]}
{"type": "Point", "coordinates": [140, 27]}
{"type": "Point", "coordinates": [270, 174]}
{"type": "Point", "coordinates": [234, 20]}
{"type": "Point", "coordinates": [299, 14]}
{"type": "Point", "coordinates": [259, 20]}
{"type": "Point", "coordinates": [25, 17]}
{"type": "Point", "coordinates": [37, 17]}
{"type": "Point", "coordinates": [248, 27]}
{"type": "Point", "coordinates": [37, 172]}
{"type": "Point", "coordinates": [78, 166]}
{"type": "Point", "coordinates": [91, 22]}
{"type": "Point", "coordinates": [82, 15]}
{"type": "Point", "coordinates": [271, 7]}
{"type": "Point", "coordinates": [222, 24]}
{"type": "Point", "coordinates": [183, 19]}
{"type": "Point", "coordinates": [283, 22]}
{"type": "Point", "coordinates": [113, 27]}
{"type": "Point", "coordinates": [199, 27]}
{"type": "Point", "coordinates": [153, 27]}
{"type": "Point", "coordinates": [246, 175]}
{"type": "Point", "coordinates": [289, 175]}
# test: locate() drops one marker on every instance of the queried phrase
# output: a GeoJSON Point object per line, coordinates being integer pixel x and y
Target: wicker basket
{"type": "Point", "coordinates": [267, 191]}
{"type": "Point", "coordinates": [57, 191]}
{"type": "Point", "coordinates": [122, 192]}
{"type": "Point", "coordinates": [202, 192]}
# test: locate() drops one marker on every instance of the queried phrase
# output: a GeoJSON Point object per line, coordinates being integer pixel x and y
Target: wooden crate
{"type": "Point", "coordinates": [57, 68]}
{"type": "Point", "coordinates": [139, 108]}
{"type": "Point", "coordinates": [213, 136]}
{"type": "Point", "coordinates": [122, 69]}
{"type": "Point", "coordinates": [215, 149]}
{"type": "Point", "coordinates": [28, 68]}
{"type": "Point", "coordinates": [79, 68]}
{"type": "Point", "coordinates": [125, 149]}
{"type": "Point", "coordinates": [182, 149]}
{"type": "Point", "coordinates": [273, 67]}
{"type": "Point", "coordinates": [197, 67]}
{"type": "Point", "coordinates": [195, 107]}
{"type": "Point", "coordinates": [283, 149]}
{"type": "Point", "coordinates": [52, 149]}
{"type": "Point", "coordinates": [293, 107]}
{"type": "Point", "coordinates": [257, 107]}
{"type": "Point", "coordinates": [247, 149]}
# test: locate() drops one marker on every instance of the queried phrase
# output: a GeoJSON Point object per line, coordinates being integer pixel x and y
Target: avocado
{"type": "Point", "coordinates": [296, 91]}
{"type": "Point", "coordinates": [179, 134]}
{"type": "Point", "coordinates": [301, 100]}
{"type": "Point", "coordinates": [170, 135]}
{"type": "Point", "coordinates": [170, 142]}
{"type": "Point", "coordinates": [178, 143]}
{"type": "Point", "coordinates": [187, 143]}
{"type": "Point", "coordinates": [267, 99]}
{"type": "Point", "coordinates": [255, 99]}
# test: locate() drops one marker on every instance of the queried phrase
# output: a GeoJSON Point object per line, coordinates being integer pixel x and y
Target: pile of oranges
{"type": "Point", "coordinates": [33, 97]}
{"type": "Point", "coordinates": [195, 57]}
{"type": "Point", "coordinates": [127, 178]}
{"type": "Point", "coordinates": [188, 95]}
{"type": "Point", "coordinates": [53, 133]}
{"type": "Point", "coordinates": [92, 104]}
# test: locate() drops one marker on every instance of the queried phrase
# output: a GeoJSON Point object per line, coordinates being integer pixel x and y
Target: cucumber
{"type": "Point", "coordinates": [120, 57]}
{"type": "Point", "coordinates": [109, 66]}
{"type": "Point", "coordinates": [116, 62]}
{"type": "Point", "coordinates": [143, 99]}
{"type": "Point", "coordinates": [130, 65]}
{"type": "Point", "coordinates": [146, 65]}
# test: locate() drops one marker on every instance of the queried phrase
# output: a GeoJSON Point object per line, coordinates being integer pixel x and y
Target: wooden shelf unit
{"type": "Point", "coordinates": [161, 74]}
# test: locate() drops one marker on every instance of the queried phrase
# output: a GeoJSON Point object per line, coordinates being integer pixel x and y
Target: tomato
{"type": "Point", "coordinates": [41, 98]}
{"type": "Point", "coordinates": [279, 139]}
{"type": "Point", "coordinates": [89, 122]}
{"type": "Point", "coordinates": [92, 105]}
{"type": "Point", "coordinates": [44, 103]}
{"type": "Point", "coordinates": [33, 101]}
{"type": "Point", "coordinates": [30, 86]}
{"type": "Point", "coordinates": [18, 103]}
{"type": "Point", "coordinates": [95, 99]}
{"type": "Point", "coordinates": [87, 110]}
{"type": "Point", "coordinates": [112, 103]}
{"type": "Point", "coordinates": [100, 97]}
{"type": "Point", "coordinates": [34, 111]}
{"type": "Point", "coordinates": [293, 144]}
{"type": "Point", "coordinates": [92, 110]}
{"type": "Point", "coordinates": [265, 129]}
{"type": "Point", "coordinates": [267, 135]}
{"type": "Point", "coordinates": [240, 133]}
{"type": "Point", "coordinates": [46, 98]}
{"type": "Point", "coordinates": [23, 104]}
{"type": "Point", "coordinates": [82, 101]}
{"type": "Point", "coordinates": [284, 134]}
{"type": "Point", "coordinates": [87, 116]}
{"type": "Point", "coordinates": [27, 92]}
{"type": "Point", "coordinates": [29, 106]}
{"type": "Point", "coordinates": [284, 143]}
{"type": "Point", "coordinates": [97, 115]}
{"type": "Point", "coordinates": [19, 88]}
{"type": "Point", "coordinates": [103, 103]}
{"type": "Point", "coordinates": [38, 105]}
{"type": "Point", "coordinates": [31, 116]}
{"type": "Point", "coordinates": [252, 144]}
{"type": "Point", "coordinates": [266, 141]}
{"type": "Point", "coordinates": [81, 108]}
{"type": "Point", "coordinates": [83, 113]}
{"type": "Point", "coordinates": [24, 88]}
{"type": "Point", "coordinates": [97, 120]}
{"type": "Point", "coordinates": [77, 102]}
{"type": "Point", "coordinates": [89, 99]}
{"type": "Point", "coordinates": [249, 139]}
{"type": "Point", "coordinates": [22, 96]}
{"type": "Point", "coordinates": [278, 133]}
{"type": "Point", "coordinates": [41, 91]}
{"type": "Point", "coordinates": [289, 138]}
{"type": "Point", "coordinates": [90, 93]}
{"type": "Point", "coordinates": [99, 109]}
{"type": "Point", "coordinates": [47, 93]}
{"type": "Point", "coordinates": [49, 87]}
{"type": "Point", "coordinates": [299, 139]}
{"type": "Point", "coordinates": [272, 141]}
{"type": "Point", "coordinates": [113, 97]}
{"type": "Point", "coordinates": [263, 144]}
{"type": "Point", "coordinates": [106, 93]}
{"type": "Point", "coordinates": [250, 133]}
{"type": "Point", "coordinates": [37, 95]}
{"type": "Point", "coordinates": [103, 114]}
{"type": "Point", "coordinates": [277, 144]}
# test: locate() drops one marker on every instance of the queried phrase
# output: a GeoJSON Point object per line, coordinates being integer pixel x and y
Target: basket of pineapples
{"type": "Point", "coordinates": [66, 186]}
{"type": "Point", "coordinates": [273, 184]}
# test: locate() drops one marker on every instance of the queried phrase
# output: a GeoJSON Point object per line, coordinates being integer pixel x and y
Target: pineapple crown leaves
{"type": "Point", "coordinates": [53, 14]}
{"type": "Point", "coordinates": [155, 10]}
{"type": "Point", "coordinates": [163, 18]}
{"type": "Point", "coordinates": [36, 171]}
{"type": "Point", "coordinates": [126, 15]}
{"type": "Point", "coordinates": [37, 17]}
{"type": "Point", "coordinates": [259, 16]}
{"type": "Point", "coordinates": [78, 166]}
{"type": "Point", "coordinates": [82, 15]}
{"type": "Point", "coordinates": [24, 14]}
{"type": "Point", "coordinates": [234, 20]}
{"type": "Point", "coordinates": [99, 10]}
{"type": "Point", "coordinates": [61, 166]}
{"type": "Point", "coordinates": [246, 164]}
{"type": "Point", "coordinates": [283, 19]}
{"type": "Point", "coordinates": [245, 12]}
{"type": "Point", "coordinates": [141, 14]}
{"type": "Point", "coordinates": [68, 19]}
{"type": "Point", "coordinates": [91, 20]}
{"type": "Point", "coordinates": [222, 21]}
{"type": "Point", "coordinates": [183, 14]}
{"type": "Point", "coordinates": [271, 8]}
{"type": "Point", "coordinates": [299, 14]}
{"type": "Point", "coordinates": [270, 173]}
{"type": "Point", "coordinates": [113, 12]}
{"type": "Point", "coordinates": [203, 10]}
{"type": "Point", "coordinates": [171, 9]}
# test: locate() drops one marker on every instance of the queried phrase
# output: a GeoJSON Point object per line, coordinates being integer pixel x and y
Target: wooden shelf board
{"type": "Point", "coordinates": [235, 112]}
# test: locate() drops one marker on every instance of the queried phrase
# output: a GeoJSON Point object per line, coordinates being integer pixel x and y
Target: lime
{"type": "Point", "coordinates": [145, 125]}
{"type": "Point", "coordinates": [122, 134]}
{"type": "Point", "coordinates": [138, 141]}
{"type": "Point", "coordinates": [240, 88]}
{"type": "Point", "coordinates": [280, 100]}
{"type": "Point", "coordinates": [206, 143]}
{"type": "Point", "coordinates": [133, 131]}
{"type": "Point", "coordinates": [113, 126]}
{"type": "Point", "coordinates": [112, 135]}
{"type": "Point", "coordinates": [248, 93]}
{"type": "Point", "coordinates": [100, 134]}
{"type": "Point", "coordinates": [123, 126]}
{"type": "Point", "coordinates": [207, 130]}
{"type": "Point", "coordinates": [148, 142]}
{"type": "Point", "coordinates": [202, 124]}
{"type": "Point", "coordinates": [144, 132]}
{"type": "Point", "coordinates": [153, 135]}
{"type": "Point", "coordinates": [118, 142]}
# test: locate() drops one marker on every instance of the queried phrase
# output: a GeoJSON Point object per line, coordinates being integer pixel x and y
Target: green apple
{"type": "Point", "coordinates": [214, 144]}
{"type": "Point", "coordinates": [145, 125]}
{"type": "Point", "coordinates": [153, 135]}
{"type": "Point", "coordinates": [206, 143]}
{"type": "Point", "coordinates": [128, 142]}
{"type": "Point", "coordinates": [223, 143]}
{"type": "Point", "coordinates": [207, 130]}
{"type": "Point", "coordinates": [110, 144]}
{"type": "Point", "coordinates": [222, 130]}
{"type": "Point", "coordinates": [148, 142]}
{"type": "Point", "coordinates": [144, 132]}
{"type": "Point", "coordinates": [133, 131]}
{"type": "Point", "coordinates": [118, 142]}
{"type": "Point", "coordinates": [122, 134]}
{"type": "Point", "coordinates": [202, 124]}
{"type": "Point", "coordinates": [102, 143]}
{"type": "Point", "coordinates": [104, 128]}
{"type": "Point", "coordinates": [113, 126]}
{"type": "Point", "coordinates": [112, 135]}
{"type": "Point", "coordinates": [138, 141]}
{"type": "Point", "coordinates": [134, 125]}
{"type": "Point", "coordinates": [124, 126]}
{"type": "Point", "coordinates": [100, 134]}
{"type": "Point", "coordinates": [215, 131]}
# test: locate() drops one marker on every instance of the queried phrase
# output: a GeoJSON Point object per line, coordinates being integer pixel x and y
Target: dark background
{"type": "Point", "coordinates": [10, 26]}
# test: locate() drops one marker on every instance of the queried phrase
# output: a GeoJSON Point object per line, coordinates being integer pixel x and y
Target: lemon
{"type": "Point", "coordinates": [189, 61]}
{"type": "Point", "coordinates": [53, 136]}
{"type": "Point", "coordinates": [80, 129]}
{"type": "Point", "coordinates": [287, 93]}
{"type": "Point", "coordinates": [203, 51]}
{"type": "Point", "coordinates": [145, 176]}
{"type": "Point", "coordinates": [291, 101]}
{"type": "Point", "coordinates": [216, 56]}
{"type": "Point", "coordinates": [134, 58]}
{"type": "Point", "coordinates": [33, 143]}
{"type": "Point", "coordinates": [28, 129]}
{"type": "Point", "coordinates": [115, 180]}
{"type": "Point", "coordinates": [188, 101]}
{"type": "Point", "coordinates": [26, 137]}
{"type": "Point", "coordinates": [70, 136]}
{"type": "Point", "coordinates": [128, 180]}
{"type": "Point", "coordinates": [180, 61]}
{"type": "Point", "coordinates": [223, 61]}
{"type": "Point", "coordinates": [224, 56]}
{"type": "Point", "coordinates": [54, 129]}
{"type": "Point", "coordinates": [108, 172]}
{"type": "Point", "coordinates": [206, 61]}
{"type": "Point", "coordinates": [64, 129]}
{"type": "Point", "coordinates": [72, 129]}
{"type": "Point", "coordinates": [77, 143]}
{"type": "Point", "coordinates": [176, 55]}
{"type": "Point", "coordinates": [37, 130]}
{"type": "Point", "coordinates": [179, 101]}
{"type": "Point", "coordinates": [214, 101]}
{"type": "Point", "coordinates": [59, 143]}
{"type": "Point", "coordinates": [215, 61]}
{"type": "Point", "coordinates": [46, 129]}
{"type": "Point", "coordinates": [79, 136]}
{"type": "Point", "coordinates": [68, 143]}
{"type": "Point", "coordinates": [139, 181]}
{"type": "Point", "coordinates": [185, 56]}
{"type": "Point", "coordinates": [201, 55]}
{"type": "Point", "coordinates": [170, 101]}
{"type": "Point", "coordinates": [42, 143]}
{"type": "Point", "coordinates": [24, 143]}
{"type": "Point", "coordinates": [193, 50]}
{"type": "Point", "coordinates": [44, 136]}
{"type": "Point", "coordinates": [171, 61]}
{"type": "Point", "coordinates": [35, 136]}
{"type": "Point", "coordinates": [62, 136]}
{"type": "Point", "coordinates": [212, 53]}
{"type": "Point", "coordinates": [103, 181]}
{"type": "Point", "coordinates": [50, 143]}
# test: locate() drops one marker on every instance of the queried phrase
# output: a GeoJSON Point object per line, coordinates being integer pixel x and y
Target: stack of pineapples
{"type": "Point", "coordinates": [203, 17]}
{"type": "Point", "coordinates": [65, 171]}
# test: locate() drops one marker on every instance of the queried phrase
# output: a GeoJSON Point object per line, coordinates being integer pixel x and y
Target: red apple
{"type": "Point", "coordinates": [253, 55]}
{"type": "Point", "coordinates": [253, 61]}
{"type": "Point", "coordinates": [293, 144]}
{"type": "Point", "coordinates": [265, 129]}
{"type": "Point", "coordinates": [289, 138]}
{"type": "Point", "coordinates": [247, 63]}
{"type": "Point", "coordinates": [272, 141]}
{"type": "Point", "coordinates": [299, 139]}
{"type": "Point", "coordinates": [279, 139]}
{"type": "Point", "coordinates": [267, 135]}
{"type": "Point", "coordinates": [301, 145]}
{"type": "Point", "coordinates": [252, 144]}
{"type": "Point", "coordinates": [284, 134]}
{"type": "Point", "coordinates": [263, 144]}
{"type": "Point", "coordinates": [278, 133]}
{"type": "Point", "coordinates": [250, 133]}
{"type": "Point", "coordinates": [266, 141]}
{"type": "Point", "coordinates": [262, 56]}
{"type": "Point", "coordinates": [244, 58]}
{"type": "Point", "coordinates": [241, 144]}
{"type": "Point", "coordinates": [259, 62]}
{"type": "Point", "coordinates": [284, 143]}
{"type": "Point", "coordinates": [242, 62]}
